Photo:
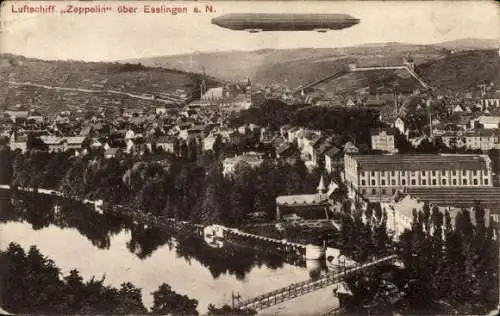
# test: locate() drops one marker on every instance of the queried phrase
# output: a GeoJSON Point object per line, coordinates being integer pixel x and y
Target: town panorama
{"type": "Point", "coordinates": [361, 180]}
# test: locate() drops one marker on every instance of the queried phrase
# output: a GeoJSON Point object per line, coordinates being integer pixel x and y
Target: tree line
{"type": "Point", "coordinates": [453, 263]}
{"type": "Point", "coordinates": [449, 263]}
{"type": "Point", "coordinates": [184, 189]}
{"type": "Point", "coordinates": [32, 284]}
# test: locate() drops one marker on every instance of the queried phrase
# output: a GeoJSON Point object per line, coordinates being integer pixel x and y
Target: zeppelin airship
{"type": "Point", "coordinates": [261, 22]}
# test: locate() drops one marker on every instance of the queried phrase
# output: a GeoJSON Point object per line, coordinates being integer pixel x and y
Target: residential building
{"type": "Point", "coordinates": [400, 213]}
{"type": "Point", "coordinates": [18, 142]}
{"type": "Point", "coordinates": [75, 142]}
{"type": "Point", "coordinates": [483, 139]}
{"type": "Point", "coordinates": [130, 134]}
{"type": "Point", "coordinates": [229, 136]}
{"type": "Point", "coordinates": [159, 110]}
{"type": "Point", "coordinates": [250, 159]}
{"type": "Point", "coordinates": [490, 100]}
{"type": "Point", "coordinates": [377, 177]}
{"type": "Point", "coordinates": [110, 153]}
{"type": "Point", "coordinates": [167, 143]}
{"type": "Point", "coordinates": [400, 124]}
{"type": "Point", "coordinates": [488, 122]}
{"type": "Point", "coordinates": [383, 140]}
{"type": "Point", "coordinates": [209, 142]}
{"type": "Point", "coordinates": [299, 208]}
{"type": "Point", "coordinates": [453, 140]}
{"type": "Point", "coordinates": [54, 143]}
{"type": "Point", "coordinates": [293, 134]}
{"type": "Point", "coordinates": [308, 147]}
{"type": "Point", "coordinates": [35, 117]}
{"type": "Point", "coordinates": [284, 150]}
{"type": "Point", "coordinates": [333, 159]}
{"type": "Point", "coordinates": [350, 148]}
{"type": "Point", "coordinates": [17, 116]}
{"type": "Point", "coordinates": [400, 209]}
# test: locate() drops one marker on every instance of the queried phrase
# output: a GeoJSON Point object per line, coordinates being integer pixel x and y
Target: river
{"type": "Point", "coordinates": [76, 237]}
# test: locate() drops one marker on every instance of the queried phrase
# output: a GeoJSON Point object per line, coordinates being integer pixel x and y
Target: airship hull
{"type": "Point", "coordinates": [285, 22]}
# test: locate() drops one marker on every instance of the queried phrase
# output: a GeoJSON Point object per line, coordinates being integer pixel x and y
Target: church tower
{"type": "Point", "coordinates": [203, 84]}
{"type": "Point", "coordinates": [396, 97]}
{"type": "Point", "coordinates": [248, 89]}
{"type": "Point", "coordinates": [321, 188]}
{"type": "Point", "coordinates": [409, 62]}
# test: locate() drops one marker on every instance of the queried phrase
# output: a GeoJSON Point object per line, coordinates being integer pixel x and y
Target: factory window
{"type": "Point", "coordinates": [443, 171]}
{"type": "Point", "coordinates": [363, 182]}
{"type": "Point", "coordinates": [424, 182]}
{"type": "Point", "coordinates": [464, 181]}
{"type": "Point", "coordinates": [373, 182]}
{"type": "Point", "coordinates": [393, 182]}
{"type": "Point", "coordinates": [363, 191]}
{"type": "Point", "coordinates": [382, 182]}
{"type": "Point", "coordinates": [373, 173]}
{"type": "Point", "coordinates": [413, 182]}
{"type": "Point", "coordinates": [374, 191]}
{"type": "Point", "coordinates": [475, 181]}
{"type": "Point", "coordinates": [434, 182]}
{"type": "Point", "coordinates": [486, 181]}
{"type": "Point", "coordinates": [393, 191]}
{"type": "Point", "coordinates": [454, 172]}
{"type": "Point", "coordinates": [454, 181]}
{"type": "Point", "coordinates": [464, 172]}
{"type": "Point", "coordinates": [443, 181]}
{"type": "Point", "coordinates": [474, 172]}
{"type": "Point", "coordinates": [423, 173]}
{"type": "Point", "coordinates": [393, 173]}
{"type": "Point", "coordinates": [403, 182]}
{"type": "Point", "coordinates": [433, 172]}
{"type": "Point", "coordinates": [384, 192]}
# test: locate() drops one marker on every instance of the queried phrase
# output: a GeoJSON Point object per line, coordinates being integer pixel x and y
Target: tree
{"type": "Point", "coordinates": [5, 165]}
{"type": "Point", "coordinates": [130, 300]}
{"type": "Point", "coordinates": [211, 205]}
{"type": "Point", "coordinates": [166, 301]}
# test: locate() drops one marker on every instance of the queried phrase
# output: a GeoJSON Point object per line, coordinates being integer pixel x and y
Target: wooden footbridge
{"type": "Point", "coordinates": [278, 244]}
{"type": "Point", "coordinates": [302, 288]}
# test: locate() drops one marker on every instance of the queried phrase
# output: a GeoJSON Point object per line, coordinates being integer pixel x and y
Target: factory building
{"type": "Point", "coordinates": [379, 177]}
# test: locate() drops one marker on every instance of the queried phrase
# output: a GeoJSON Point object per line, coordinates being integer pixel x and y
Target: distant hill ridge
{"type": "Point", "coordinates": [263, 65]}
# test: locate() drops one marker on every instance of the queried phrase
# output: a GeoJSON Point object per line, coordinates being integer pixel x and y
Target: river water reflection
{"type": "Point", "coordinates": [77, 237]}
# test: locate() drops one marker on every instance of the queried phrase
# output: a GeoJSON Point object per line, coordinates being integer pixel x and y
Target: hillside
{"type": "Point", "coordinates": [261, 66]}
{"type": "Point", "coordinates": [294, 67]}
{"type": "Point", "coordinates": [463, 70]}
{"type": "Point", "coordinates": [470, 44]}
{"type": "Point", "coordinates": [129, 78]}
{"type": "Point", "coordinates": [299, 72]}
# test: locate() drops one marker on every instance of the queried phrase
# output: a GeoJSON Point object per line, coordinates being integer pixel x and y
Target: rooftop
{"type": "Point", "coordinates": [422, 162]}
{"type": "Point", "coordinates": [303, 199]}
{"type": "Point", "coordinates": [482, 132]}
{"type": "Point", "coordinates": [488, 197]}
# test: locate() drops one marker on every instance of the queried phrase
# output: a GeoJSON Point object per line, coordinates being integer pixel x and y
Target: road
{"type": "Point", "coordinates": [58, 88]}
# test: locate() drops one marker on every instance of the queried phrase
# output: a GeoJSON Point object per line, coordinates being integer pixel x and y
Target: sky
{"type": "Point", "coordinates": [114, 36]}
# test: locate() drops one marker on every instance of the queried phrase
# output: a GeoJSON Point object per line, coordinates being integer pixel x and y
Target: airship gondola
{"type": "Point", "coordinates": [262, 22]}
